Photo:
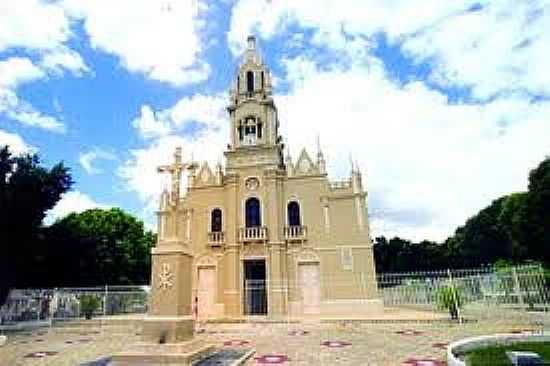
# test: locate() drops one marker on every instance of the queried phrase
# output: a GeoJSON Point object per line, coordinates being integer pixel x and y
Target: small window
{"type": "Point", "coordinates": [293, 210]}
{"type": "Point", "coordinates": [262, 79]}
{"type": "Point", "coordinates": [259, 130]}
{"type": "Point", "coordinates": [249, 81]}
{"type": "Point", "coordinates": [216, 220]}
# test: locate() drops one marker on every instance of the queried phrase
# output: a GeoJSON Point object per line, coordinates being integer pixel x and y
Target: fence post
{"type": "Point", "coordinates": [517, 287]}
{"type": "Point", "coordinates": [454, 292]}
{"type": "Point", "coordinates": [106, 293]}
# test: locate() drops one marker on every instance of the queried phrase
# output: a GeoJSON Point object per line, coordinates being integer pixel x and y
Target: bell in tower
{"type": "Point", "coordinates": [254, 122]}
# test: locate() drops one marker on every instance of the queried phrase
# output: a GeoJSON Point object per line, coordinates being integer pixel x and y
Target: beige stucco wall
{"type": "Point", "coordinates": [335, 216]}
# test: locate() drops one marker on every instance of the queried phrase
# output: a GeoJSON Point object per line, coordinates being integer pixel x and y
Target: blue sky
{"type": "Point", "coordinates": [444, 105]}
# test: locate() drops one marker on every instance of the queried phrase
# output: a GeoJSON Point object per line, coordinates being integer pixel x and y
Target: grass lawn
{"type": "Point", "coordinates": [496, 355]}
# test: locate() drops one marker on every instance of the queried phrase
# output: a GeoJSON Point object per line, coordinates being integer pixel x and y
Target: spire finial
{"type": "Point", "coordinates": [251, 42]}
{"type": "Point", "coordinates": [351, 162]}
{"type": "Point", "coordinates": [318, 143]}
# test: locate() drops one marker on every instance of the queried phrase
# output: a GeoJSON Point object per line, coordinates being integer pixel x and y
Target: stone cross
{"type": "Point", "coordinates": [175, 170]}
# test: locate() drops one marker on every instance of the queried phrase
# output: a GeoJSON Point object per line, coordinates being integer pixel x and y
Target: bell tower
{"type": "Point", "coordinates": [254, 123]}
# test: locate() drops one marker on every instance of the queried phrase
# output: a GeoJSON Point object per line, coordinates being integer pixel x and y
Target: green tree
{"type": "Point", "coordinates": [535, 215]}
{"type": "Point", "coordinates": [27, 191]}
{"type": "Point", "coordinates": [103, 247]}
{"type": "Point", "coordinates": [511, 215]}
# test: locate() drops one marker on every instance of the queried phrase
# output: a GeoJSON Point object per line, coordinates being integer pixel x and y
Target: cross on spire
{"type": "Point", "coordinates": [175, 170]}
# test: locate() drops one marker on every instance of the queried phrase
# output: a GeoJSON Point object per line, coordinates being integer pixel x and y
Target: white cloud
{"type": "Point", "coordinates": [64, 58]}
{"type": "Point", "coordinates": [208, 111]}
{"type": "Point", "coordinates": [503, 49]}
{"type": "Point", "coordinates": [429, 165]}
{"type": "Point", "coordinates": [205, 144]}
{"type": "Point", "coordinates": [140, 170]}
{"type": "Point", "coordinates": [88, 158]}
{"type": "Point", "coordinates": [25, 113]}
{"type": "Point", "coordinates": [333, 17]}
{"type": "Point", "coordinates": [149, 125]}
{"type": "Point", "coordinates": [40, 28]}
{"type": "Point", "coordinates": [73, 201]}
{"type": "Point", "coordinates": [15, 142]}
{"type": "Point", "coordinates": [32, 24]}
{"type": "Point", "coordinates": [499, 48]}
{"type": "Point", "coordinates": [160, 39]}
{"type": "Point", "coordinates": [15, 71]}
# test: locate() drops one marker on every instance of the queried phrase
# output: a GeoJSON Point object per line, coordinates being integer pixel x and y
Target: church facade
{"type": "Point", "coordinates": [267, 235]}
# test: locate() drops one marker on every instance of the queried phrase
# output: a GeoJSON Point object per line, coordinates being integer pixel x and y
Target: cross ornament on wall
{"type": "Point", "coordinates": [165, 277]}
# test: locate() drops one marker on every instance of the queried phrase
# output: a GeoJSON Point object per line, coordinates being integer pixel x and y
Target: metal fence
{"type": "Point", "coordinates": [27, 307]}
{"type": "Point", "coordinates": [520, 292]}
{"type": "Point", "coordinates": [521, 286]}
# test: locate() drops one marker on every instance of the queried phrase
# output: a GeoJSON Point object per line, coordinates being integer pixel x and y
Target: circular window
{"type": "Point", "coordinates": [252, 183]}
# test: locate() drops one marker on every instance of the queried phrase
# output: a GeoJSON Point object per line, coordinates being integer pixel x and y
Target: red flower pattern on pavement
{"type": "Point", "coordinates": [271, 359]}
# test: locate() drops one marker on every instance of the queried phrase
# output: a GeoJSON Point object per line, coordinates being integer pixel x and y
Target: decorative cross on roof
{"type": "Point", "coordinates": [175, 170]}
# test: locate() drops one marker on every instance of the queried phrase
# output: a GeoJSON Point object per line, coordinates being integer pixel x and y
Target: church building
{"type": "Point", "coordinates": [267, 235]}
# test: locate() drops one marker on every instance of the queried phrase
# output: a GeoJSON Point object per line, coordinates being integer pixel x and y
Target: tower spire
{"type": "Point", "coordinates": [321, 164]}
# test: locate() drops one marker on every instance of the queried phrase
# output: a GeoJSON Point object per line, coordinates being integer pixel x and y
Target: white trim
{"type": "Point", "coordinates": [326, 216]}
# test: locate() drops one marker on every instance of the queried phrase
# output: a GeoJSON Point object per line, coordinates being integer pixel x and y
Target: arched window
{"type": "Point", "coordinates": [293, 210]}
{"type": "Point", "coordinates": [216, 220]}
{"type": "Point", "coordinates": [252, 212]}
{"type": "Point", "coordinates": [249, 81]}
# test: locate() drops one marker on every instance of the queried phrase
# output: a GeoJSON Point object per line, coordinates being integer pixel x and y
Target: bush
{"type": "Point", "coordinates": [88, 305]}
{"type": "Point", "coordinates": [450, 298]}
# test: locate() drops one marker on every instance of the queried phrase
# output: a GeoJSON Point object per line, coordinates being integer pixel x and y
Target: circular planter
{"type": "Point", "coordinates": [466, 345]}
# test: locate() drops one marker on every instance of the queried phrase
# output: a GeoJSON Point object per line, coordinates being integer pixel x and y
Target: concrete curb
{"type": "Point", "coordinates": [469, 344]}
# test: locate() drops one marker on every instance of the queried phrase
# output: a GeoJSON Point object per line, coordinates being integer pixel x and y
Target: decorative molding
{"type": "Point", "coordinates": [166, 277]}
{"type": "Point", "coordinates": [252, 183]}
{"type": "Point", "coordinates": [308, 255]}
{"type": "Point", "coordinates": [206, 260]}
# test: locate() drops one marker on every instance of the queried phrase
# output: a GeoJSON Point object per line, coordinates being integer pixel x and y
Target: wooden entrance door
{"type": "Point", "coordinates": [310, 282]}
{"type": "Point", "coordinates": [206, 290]}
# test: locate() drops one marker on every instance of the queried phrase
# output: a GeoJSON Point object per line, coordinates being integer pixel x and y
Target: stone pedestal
{"type": "Point", "coordinates": [169, 325]}
{"type": "Point", "coordinates": [159, 329]}
{"type": "Point", "coordinates": [170, 313]}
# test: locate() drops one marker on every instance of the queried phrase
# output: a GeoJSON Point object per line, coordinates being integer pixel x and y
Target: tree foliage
{"type": "Point", "coordinates": [98, 247]}
{"type": "Point", "coordinates": [513, 228]}
{"type": "Point", "coordinates": [27, 191]}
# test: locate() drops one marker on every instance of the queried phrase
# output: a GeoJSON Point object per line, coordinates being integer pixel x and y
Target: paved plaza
{"type": "Point", "coordinates": [405, 343]}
